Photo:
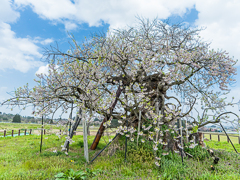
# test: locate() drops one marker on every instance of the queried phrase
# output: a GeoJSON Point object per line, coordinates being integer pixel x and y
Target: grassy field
{"type": "Point", "coordinates": [50, 129]}
{"type": "Point", "coordinates": [20, 159]}
{"type": "Point", "coordinates": [223, 137]}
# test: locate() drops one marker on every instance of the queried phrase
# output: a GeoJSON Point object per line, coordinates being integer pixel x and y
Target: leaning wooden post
{"type": "Point", "coordinates": [85, 140]}
{"type": "Point", "coordinates": [157, 112]}
{"type": "Point", "coordinates": [186, 130]}
{"type": "Point", "coordinates": [102, 128]}
{"type": "Point", "coordinates": [180, 126]}
{"type": "Point", "coordinates": [41, 136]}
{"type": "Point", "coordinates": [139, 122]}
{"type": "Point", "coordinates": [70, 119]}
{"type": "Point", "coordinates": [74, 127]}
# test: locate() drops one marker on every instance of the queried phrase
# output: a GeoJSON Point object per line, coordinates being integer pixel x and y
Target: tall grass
{"type": "Point", "coordinates": [20, 159]}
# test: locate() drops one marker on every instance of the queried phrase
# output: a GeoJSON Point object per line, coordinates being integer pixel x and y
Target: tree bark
{"type": "Point", "coordinates": [102, 128]}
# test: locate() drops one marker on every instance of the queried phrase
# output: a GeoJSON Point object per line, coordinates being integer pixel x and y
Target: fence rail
{"type": "Point", "coordinates": [219, 135]}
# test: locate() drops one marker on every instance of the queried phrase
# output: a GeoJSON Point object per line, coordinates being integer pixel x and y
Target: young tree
{"type": "Point", "coordinates": [17, 119]}
{"type": "Point", "coordinates": [152, 68]}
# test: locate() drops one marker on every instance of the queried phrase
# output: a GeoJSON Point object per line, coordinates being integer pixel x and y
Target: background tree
{"type": "Point", "coordinates": [153, 68]}
{"type": "Point", "coordinates": [17, 119]}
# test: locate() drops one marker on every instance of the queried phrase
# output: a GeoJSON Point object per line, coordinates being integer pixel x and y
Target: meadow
{"type": "Point", "coordinates": [20, 159]}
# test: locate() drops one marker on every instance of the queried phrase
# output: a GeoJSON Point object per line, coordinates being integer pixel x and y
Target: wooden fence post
{"type": "Point", "coordinates": [210, 136]}
{"type": "Point", "coordinates": [238, 139]}
{"type": "Point", "coordinates": [60, 131]}
{"type": "Point", "coordinates": [44, 131]}
{"type": "Point", "coordinates": [19, 132]}
{"type": "Point", "coordinates": [30, 132]}
{"type": "Point", "coordinates": [4, 133]}
{"type": "Point", "coordinates": [12, 132]}
{"type": "Point", "coordinates": [218, 137]}
{"type": "Point", "coordinates": [25, 132]}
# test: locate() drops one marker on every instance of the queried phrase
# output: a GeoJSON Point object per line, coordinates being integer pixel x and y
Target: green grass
{"type": "Point", "coordinates": [20, 159]}
{"type": "Point", "coordinates": [223, 137]}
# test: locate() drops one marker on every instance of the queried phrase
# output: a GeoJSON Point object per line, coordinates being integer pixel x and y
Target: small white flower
{"type": "Point", "coordinates": [66, 153]}
{"type": "Point", "coordinates": [127, 135]}
{"type": "Point", "coordinates": [143, 140]}
{"type": "Point", "coordinates": [155, 148]}
{"type": "Point", "coordinates": [55, 151]}
{"type": "Point", "coordinates": [176, 151]}
{"type": "Point", "coordinates": [132, 139]}
{"type": "Point", "coordinates": [157, 163]}
{"type": "Point", "coordinates": [110, 140]}
{"type": "Point", "coordinates": [157, 158]}
{"type": "Point", "coordinates": [164, 154]}
{"type": "Point", "coordinates": [119, 121]}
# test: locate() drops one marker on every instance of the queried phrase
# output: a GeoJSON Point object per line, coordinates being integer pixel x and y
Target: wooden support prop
{"type": "Point", "coordinates": [4, 133]}
{"type": "Point", "coordinates": [85, 142]}
{"type": "Point", "coordinates": [102, 128]}
{"type": "Point", "coordinates": [74, 127]}
{"type": "Point", "coordinates": [210, 136]}
{"type": "Point", "coordinates": [12, 132]}
{"type": "Point", "coordinates": [218, 137]}
{"type": "Point", "coordinates": [30, 132]}
{"type": "Point", "coordinates": [44, 131]}
{"type": "Point", "coordinates": [19, 132]}
{"type": "Point", "coordinates": [25, 132]}
{"type": "Point", "coordinates": [189, 154]}
{"type": "Point", "coordinates": [139, 122]}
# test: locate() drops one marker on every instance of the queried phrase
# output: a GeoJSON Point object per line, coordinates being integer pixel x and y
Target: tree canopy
{"type": "Point", "coordinates": [153, 67]}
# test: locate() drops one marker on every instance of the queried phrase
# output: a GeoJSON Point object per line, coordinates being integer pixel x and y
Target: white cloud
{"type": "Point", "coordinates": [116, 13]}
{"type": "Point", "coordinates": [221, 19]}
{"type": "Point", "coordinates": [7, 14]}
{"type": "Point", "coordinates": [42, 41]}
{"type": "Point", "coordinates": [42, 70]}
{"type": "Point", "coordinates": [16, 53]}
{"type": "Point", "coordinates": [70, 26]}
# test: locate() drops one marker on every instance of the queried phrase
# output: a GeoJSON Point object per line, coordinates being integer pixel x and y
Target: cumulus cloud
{"type": "Point", "coordinates": [42, 70]}
{"type": "Point", "coordinates": [7, 14]}
{"type": "Point", "coordinates": [42, 41]}
{"type": "Point", "coordinates": [114, 12]}
{"type": "Point", "coordinates": [222, 24]}
{"type": "Point", "coordinates": [16, 53]}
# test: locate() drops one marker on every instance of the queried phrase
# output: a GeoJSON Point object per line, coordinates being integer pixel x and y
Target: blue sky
{"type": "Point", "coordinates": [26, 26]}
